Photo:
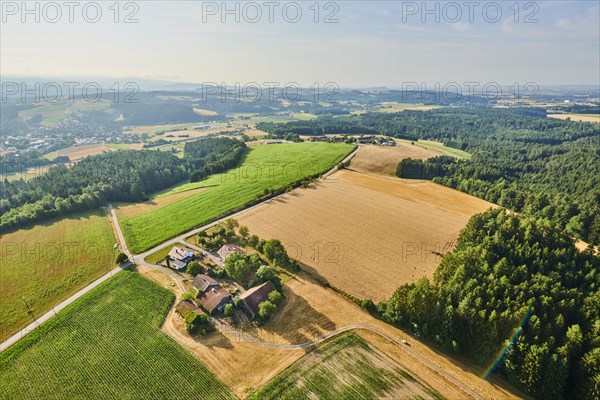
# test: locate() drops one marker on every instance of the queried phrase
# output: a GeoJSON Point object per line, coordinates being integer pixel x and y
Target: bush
{"type": "Point", "coordinates": [228, 310]}
{"type": "Point", "coordinates": [275, 297]}
{"type": "Point", "coordinates": [266, 309]}
{"type": "Point", "coordinates": [194, 268]}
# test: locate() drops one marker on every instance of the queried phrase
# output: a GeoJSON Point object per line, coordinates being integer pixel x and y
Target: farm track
{"type": "Point", "coordinates": [326, 336]}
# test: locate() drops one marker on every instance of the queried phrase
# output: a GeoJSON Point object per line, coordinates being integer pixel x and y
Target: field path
{"type": "Point", "coordinates": [301, 346]}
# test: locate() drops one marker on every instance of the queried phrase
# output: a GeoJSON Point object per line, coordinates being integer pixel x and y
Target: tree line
{"type": "Point", "coordinates": [541, 166]}
{"type": "Point", "coordinates": [125, 175]}
{"type": "Point", "coordinates": [514, 283]}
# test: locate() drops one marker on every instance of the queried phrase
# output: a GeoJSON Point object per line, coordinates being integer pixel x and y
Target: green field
{"type": "Point", "coordinates": [159, 255]}
{"type": "Point", "coordinates": [51, 113]}
{"type": "Point", "coordinates": [447, 151]}
{"type": "Point", "coordinates": [345, 368]}
{"type": "Point", "coordinates": [45, 264]}
{"type": "Point", "coordinates": [270, 166]}
{"type": "Point", "coordinates": [108, 345]}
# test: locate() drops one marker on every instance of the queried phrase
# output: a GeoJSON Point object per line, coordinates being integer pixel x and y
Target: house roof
{"type": "Point", "coordinates": [201, 282]}
{"type": "Point", "coordinates": [228, 249]}
{"type": "Point", "coordinates": [253, 297]}
{"type": "Point", "coordinates": [186, 305]}
{"type": "Point", "coordinates": [178, 264]}
{"type": "Point", "coordinates": [180, 253]}
{"type": "Point", "coordinates": [213, 297]}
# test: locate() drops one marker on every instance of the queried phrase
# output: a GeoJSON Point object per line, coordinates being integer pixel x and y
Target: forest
{"type": "Point", "coordinates": [125, 175]}
{"type": "Point", "coordinates": [538, 166]}
{"type": "Point", "coordinates": [514, 283]}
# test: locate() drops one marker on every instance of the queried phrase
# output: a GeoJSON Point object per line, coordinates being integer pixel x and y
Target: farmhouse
{"type": "Point", "coordinates": [180, 256]}
{"type": "Point", "coordinates": [253, 297]}
{"type": "Point", "coordinates": [227, 250]}
{"type": "Point", "coordinates": [214, 299]}
{"type": "Point", "coordinates": [366, 139]}
{"type": "Point", "coordinates": [203, 282]}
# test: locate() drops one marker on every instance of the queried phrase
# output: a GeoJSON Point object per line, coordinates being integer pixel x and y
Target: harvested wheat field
{"type": "Point", "coordinates": [384, 160]}
{"type": "Point", "coordinates": [366, 234]}
{"type": "Point", "coordinates": [310, 311]}
{"type": "Point", "coordinates": [78, 152]}
{"type": "Point", "coordinates": [577, 117]}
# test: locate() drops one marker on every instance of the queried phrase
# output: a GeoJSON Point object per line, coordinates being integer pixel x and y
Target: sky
{"type": "Point", "coordinates": [350, 43]}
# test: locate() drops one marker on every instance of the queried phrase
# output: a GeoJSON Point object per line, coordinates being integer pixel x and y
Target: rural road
{"type": "Point", "coordinates": [139, 259]}
{"type": "Point", "coordinates": [287, 346]}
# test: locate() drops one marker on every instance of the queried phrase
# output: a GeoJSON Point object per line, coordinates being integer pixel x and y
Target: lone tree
{"type": "Point", "coordinates": [244, 231]}
{"type": "Point", "coordinates": [194, 268]}
{"type": "Point", "coordinates": [121, 258]}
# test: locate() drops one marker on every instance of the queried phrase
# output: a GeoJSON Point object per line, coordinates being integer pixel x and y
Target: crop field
{"type": "Point", "coordinates": [577, 117]}
{"type": "Point", "coordinates": [266, 167]}
{"type": "Point", "coordinates": [51, 113]}
{"type": "Point", "coordinates": [45, 264]}
{"type": "Point", "coordinates": [384, 160]}
{"type": "Point", "coordinates": [157, 201]}
{"type": "Point", "coordinates": [354, 226]}
{"type": "Point", "coordinates": [391, 106]}
{"type": "Point", "coordinates": [345, 368]}
{"type": "Point", "coordinates": [108, 345]}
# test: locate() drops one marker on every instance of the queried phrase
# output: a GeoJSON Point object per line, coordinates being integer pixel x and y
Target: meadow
{"type": "Point", "coordinates": [271, 167]}
{"type": "Point", "coordinates": [45, 264]}
{"type": "Point", "coordinates": [345, 367]}
{"type": "Point", "coordinates": [108, 345]}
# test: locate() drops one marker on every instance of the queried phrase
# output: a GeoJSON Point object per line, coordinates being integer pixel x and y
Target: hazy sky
{"type": "Point", "coordinates": [371, 44]}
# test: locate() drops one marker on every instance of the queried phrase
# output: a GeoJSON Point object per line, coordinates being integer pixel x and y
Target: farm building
{"type": "Point", "coordinates": [180, 256]}
{"type": "Point", "coordinates": [203, 282]}
{"type": "Point", "coordinates": [227, 250]}
{"type": "Point", "coordinates": [214, 299]}
{"type": "Point", "coordinates": [253, 297]}
{"type": "Point", "coordinates": [185, 306]}
{"type": "Point", "coordinates": [276, 141]}
{"type": "Point", "coordinates": [366, 139]}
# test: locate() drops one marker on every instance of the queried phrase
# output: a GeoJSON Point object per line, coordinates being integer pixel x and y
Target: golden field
{"type": "Point", "coordinates": [367, 234]}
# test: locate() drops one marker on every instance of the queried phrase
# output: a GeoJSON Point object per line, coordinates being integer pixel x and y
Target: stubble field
{"type": "Point", "coordinates": [367, 234]}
